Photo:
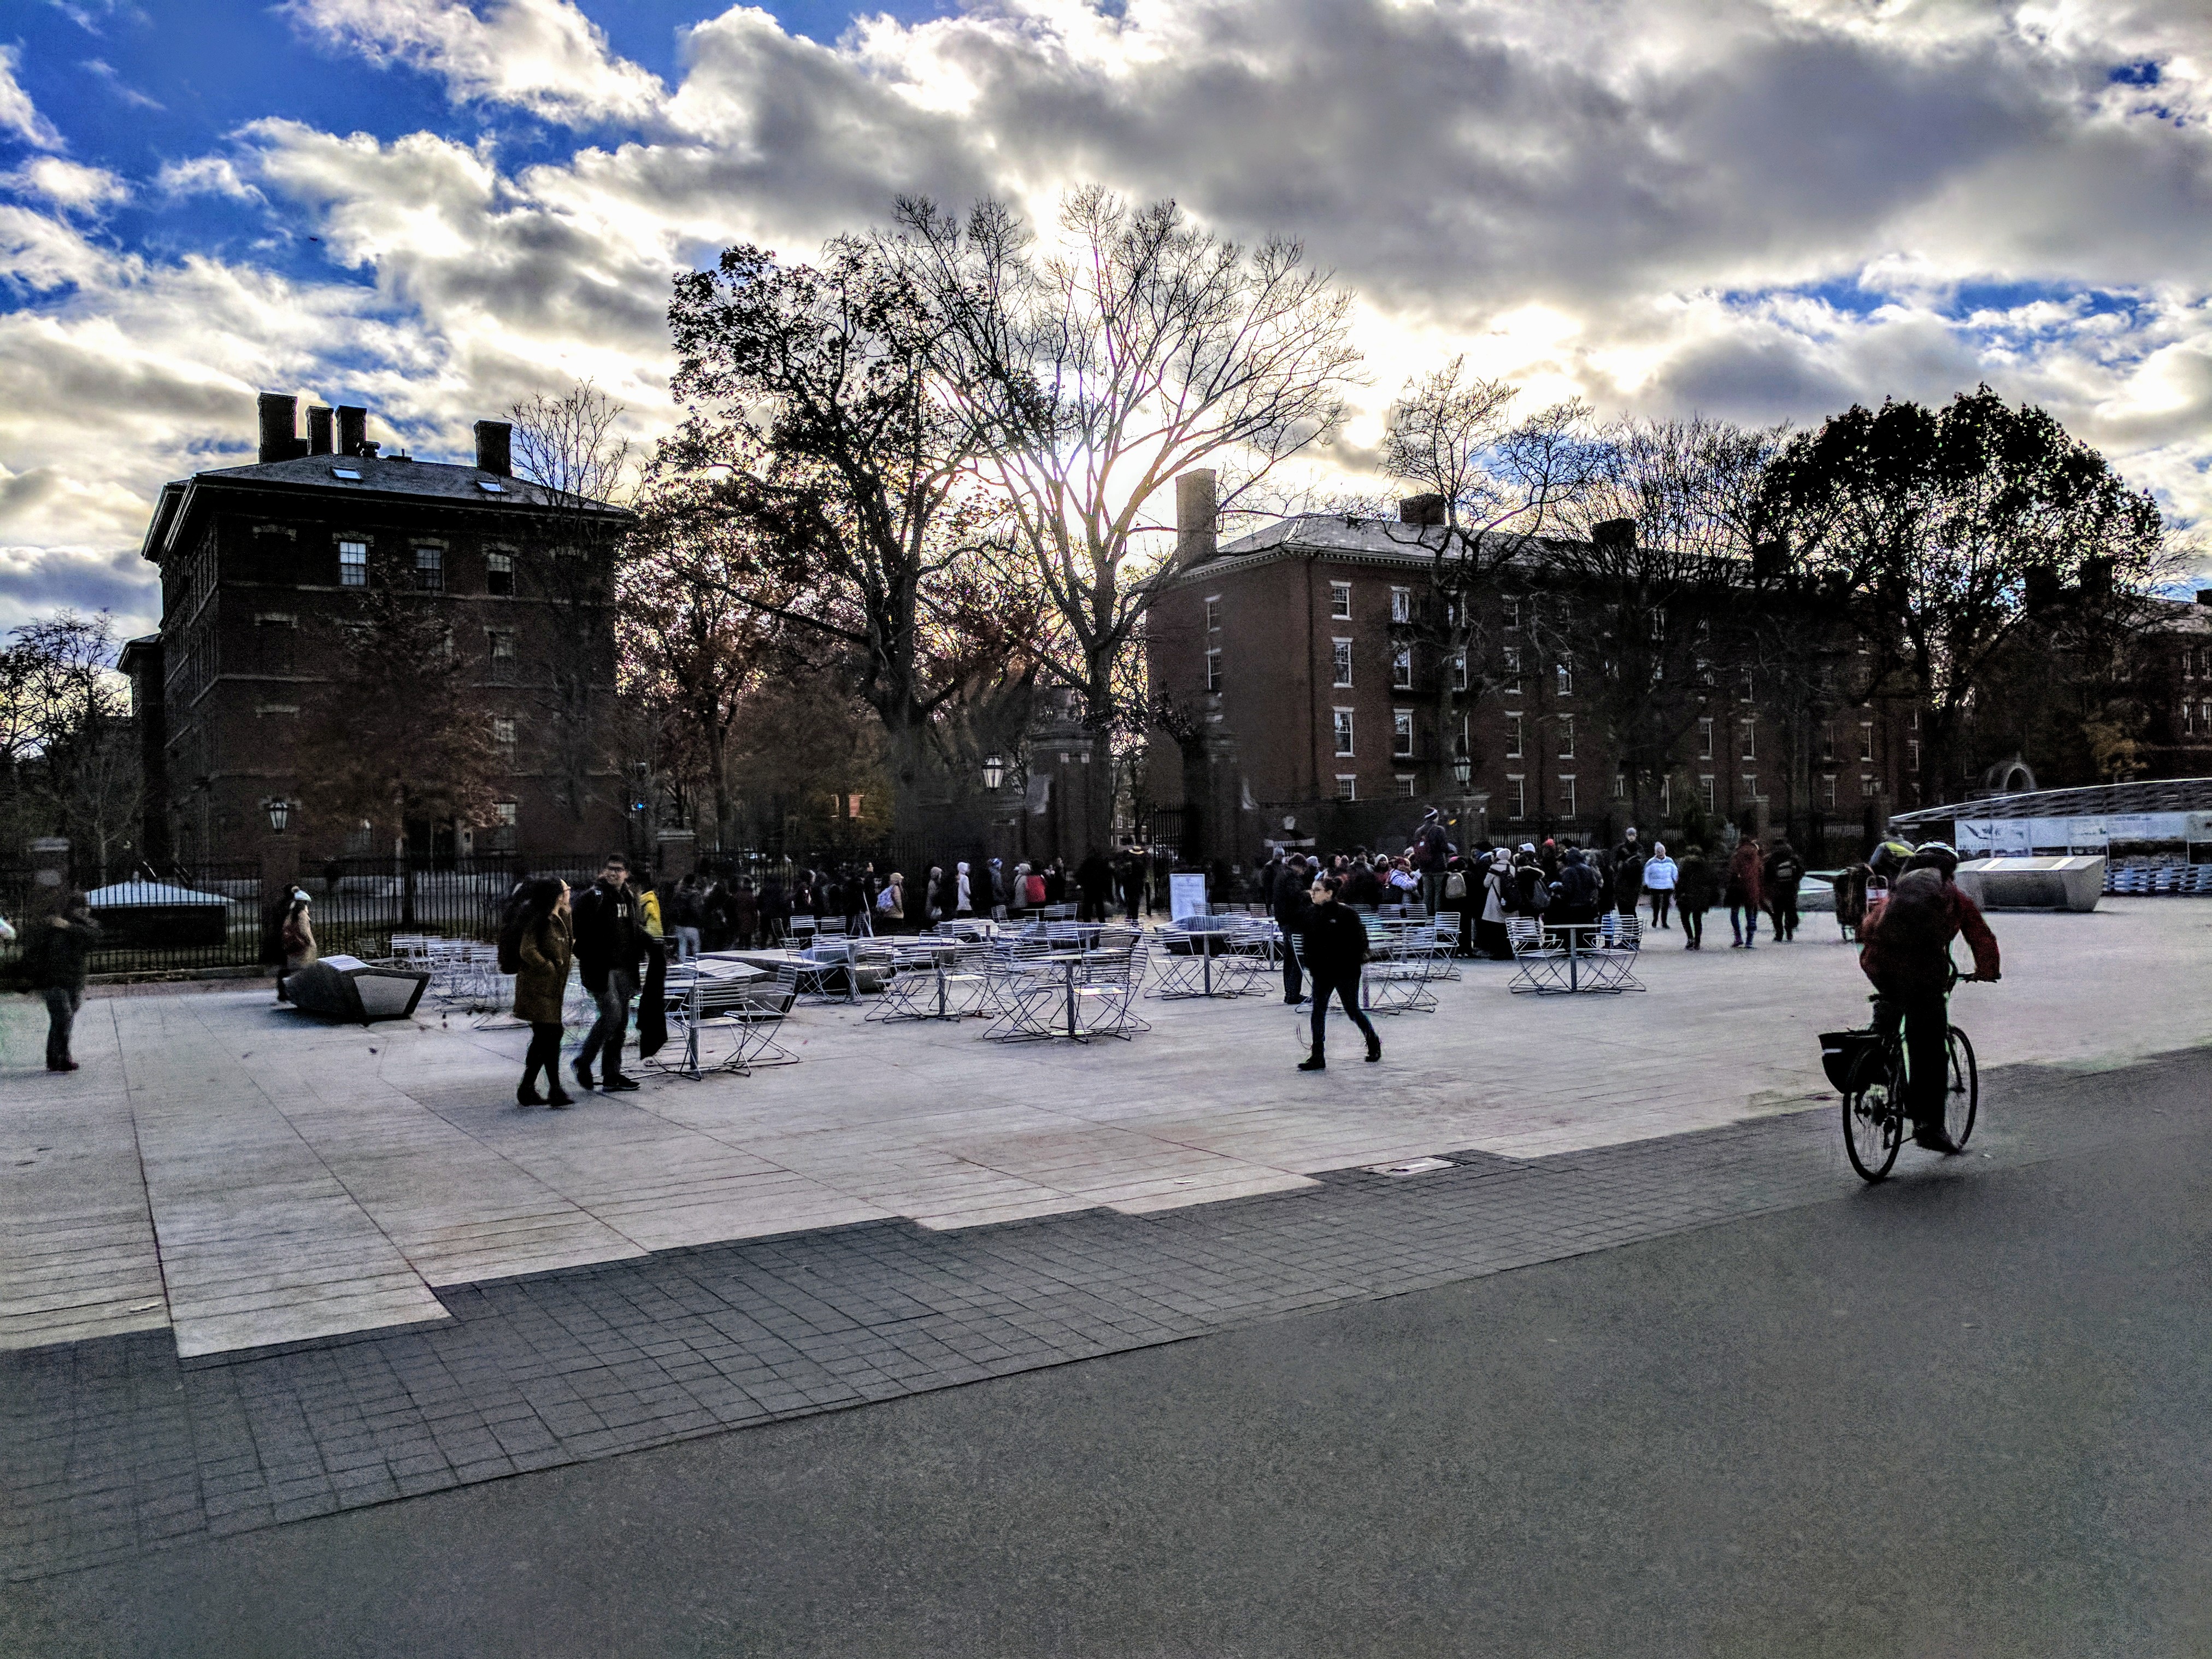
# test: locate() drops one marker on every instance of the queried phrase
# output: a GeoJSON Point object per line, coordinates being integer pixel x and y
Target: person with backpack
{"type": "Point", "coordinates": [1782, 872]}
{"type": "Point", "coordinates": [1576, 894]}
{"type": "Point", "coordinates": [1907, 957]}
{"type": "Point", "coordinates": [890, 904]}
{"type": "Point", "coordinates": [56, 950]}
{"type": "Point", "coordinates": [1532, 888]}
{"type": "Point", "coordinates": [539, 940]}
{"type": "Point", "coordinates": [1695, 890]}
{"type": "Point", "coordinates": [1334, 941]}
{"type": "Point", "coordinates": [1746, 894]}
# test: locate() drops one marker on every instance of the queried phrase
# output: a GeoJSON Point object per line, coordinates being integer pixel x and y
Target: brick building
{"type": "Point", "coordinates": [260, 565]}
{"type": "Point", "coordinates": [1302, 705]}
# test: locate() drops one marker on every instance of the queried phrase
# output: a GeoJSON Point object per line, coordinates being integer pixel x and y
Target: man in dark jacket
{"type": "Point", "coordinates": [1290, 905]}
{"type": "Point", "coordinates": [1907, 955]}
{"type": "Point", "coordinates": [54, 950]}
{"type": "Point", "coordinates": [1784, 870]}
{"type": "Point", "coordinates": [1335, 942]}
{"type": "Point", "coordinates": [1577, 892]}
{"type": "Point", "coordinates": [610, 949]}
{"type": "Point", "coordinates": [1094, 879]}
{"type": "Point", "coordinates": [1431, 851]}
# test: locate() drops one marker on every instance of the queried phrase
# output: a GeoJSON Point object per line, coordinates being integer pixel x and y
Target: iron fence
{"type": "Point", "coordinates": [172, 918]}
{"type": "Point", "coordinates": [359, 904]}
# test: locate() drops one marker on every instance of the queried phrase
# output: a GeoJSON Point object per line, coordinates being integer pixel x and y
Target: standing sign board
{"type": "Point", "coordinates": [1186, 895]}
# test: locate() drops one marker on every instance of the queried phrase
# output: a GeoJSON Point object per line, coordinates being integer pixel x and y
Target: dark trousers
{"type": "Point", "coordinates": [62, 1003]}
{"type": "Point", "coordinates": [1693, 925]}
{"type": "Point", "coordinates": [606, 1032]}
{"type": "Point", "coordinates": [1345, 991]}
{"type": "Point", "coordinates": [1927, 1064]}
{"type": "Point", "coordinates": [1660, 901]}
{"type": "Point", "coordinates": [1783, 912]}
{"type": "Point", "coordinates": [1092, 907]}
{"type": "Point", "coordinates": [544, 1055]}
{"type": "Point", "coordinates": [1293, 978]}
{"type": "Point", "coordinates": [1743, 920]}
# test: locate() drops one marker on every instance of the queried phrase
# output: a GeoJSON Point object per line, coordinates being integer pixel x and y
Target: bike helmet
{"type": "Point", "coordinates": [1888, 859]}
{"type": "Point", "coordinates": [1937, 855]}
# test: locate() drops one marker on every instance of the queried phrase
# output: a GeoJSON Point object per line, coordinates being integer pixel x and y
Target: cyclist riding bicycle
{"type": "Point", "coordinates": [1907, 955]}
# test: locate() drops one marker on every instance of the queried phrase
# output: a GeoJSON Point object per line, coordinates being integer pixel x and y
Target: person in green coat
{"type": "Point", "coordinates": [546, 946]}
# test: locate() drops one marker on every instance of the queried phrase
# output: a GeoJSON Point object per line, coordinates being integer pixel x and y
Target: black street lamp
{"type": "Point", "coordinates": [994, 772]}
{"type": "Point", "coordinates": [1462, 769]}
{"type": "Point", "coordinates": [280, 814]}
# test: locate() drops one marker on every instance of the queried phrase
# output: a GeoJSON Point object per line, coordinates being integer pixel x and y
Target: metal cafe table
{"type": "Point", "coordinates": [1015, 1018]}
{"type": "Point", "coordinates": [1548, 970]}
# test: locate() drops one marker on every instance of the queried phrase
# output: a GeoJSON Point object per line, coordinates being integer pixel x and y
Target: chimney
{"type": "Point", "coordinates": [318, 428]}
{"type": "Point", "coordinates": [495, 450]}
{"type": "Point", "coordinates": [1613, 535]}
{"type": "Point", "coordinates": [1425, 511]}
{"type": "Point", "coordinates": [280, 420]}
{"type": "Point", "coordinates": [1196, 510]}
{"type": "Point", "coordinates": [2204, 596]}
{"type": "Point", "coordinates": [353, 427]}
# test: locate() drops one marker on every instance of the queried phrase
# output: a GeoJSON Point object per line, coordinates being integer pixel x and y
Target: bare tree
{"type": "Point", "coordinates": [65, 735]}
{"type": "Point", "coordinates": [1091, 371]}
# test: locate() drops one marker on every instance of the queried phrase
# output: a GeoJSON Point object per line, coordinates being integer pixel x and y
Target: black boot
{"type": "Point", "coordinates": [1374, 1049]}
{"type": "Point", "coordinates": [1313, 1062]}
{"type": "Point", "coordinates": [582, 1068]}
{"type": "Point", "coordinates": [526, 1093]}
{"type": "Point", "coordinates": [557, 1097]}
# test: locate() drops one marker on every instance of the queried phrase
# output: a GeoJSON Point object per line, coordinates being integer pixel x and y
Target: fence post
{"type": "Point", "coordinates": [50, 874]}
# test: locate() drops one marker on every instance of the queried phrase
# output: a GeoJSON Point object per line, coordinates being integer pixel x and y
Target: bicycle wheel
{"type": "Point", "coordinates": [1874, 1123]}
{"type": "Point", "coordinates": [1964, 1088]}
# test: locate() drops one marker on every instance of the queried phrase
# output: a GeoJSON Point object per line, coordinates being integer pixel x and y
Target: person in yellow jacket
{"type": "Point", "coordinates": [649, 907]}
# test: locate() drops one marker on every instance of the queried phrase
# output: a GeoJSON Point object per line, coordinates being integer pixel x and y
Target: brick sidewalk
{"type": "Point", "coordinates": [112, 1446]}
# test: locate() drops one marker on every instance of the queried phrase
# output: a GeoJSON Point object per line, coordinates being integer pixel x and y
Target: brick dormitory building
{"type": "Point", "coordinates": [261, 568]}
{"type": "Point", "coordinates": [1308, 709]}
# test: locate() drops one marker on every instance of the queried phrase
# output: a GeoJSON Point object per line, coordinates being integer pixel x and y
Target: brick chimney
{"type": "Point", "coordinates": [320, 436]}
{"type": "Point", "coordinates": [280, 427]}
{"type": "Point", "coordinates": [494, 448]}
{"type": "Point", "coordinates": [1425, 511]}
{"type": "Point", "coordinates": [1197, 510]}
{"type": "Point", "coordinates": [353, 429]}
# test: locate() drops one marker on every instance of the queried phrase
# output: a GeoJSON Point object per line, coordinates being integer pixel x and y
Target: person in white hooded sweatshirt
{"type": "Point", "coordinates": [964, 903]}
{"type": "Point", "coordinates": [1660, 872]}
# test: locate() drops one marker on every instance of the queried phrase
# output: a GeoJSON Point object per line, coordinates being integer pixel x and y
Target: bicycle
{"type": "Point", "coordinates": [1869, 1066]}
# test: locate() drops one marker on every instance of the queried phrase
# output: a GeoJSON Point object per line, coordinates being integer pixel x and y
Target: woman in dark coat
{"type": "Point", "coordinates": [546, 947]}
{"type": "Point", "coordinates": [1695, 889]}
{"type": "Point", "coordinates": [1747, 893]}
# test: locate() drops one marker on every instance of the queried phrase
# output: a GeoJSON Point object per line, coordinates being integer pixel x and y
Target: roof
{"type": "Point", "coordinates": [124, 893]}
{"type": "Point", "coordinates": [2099, 800]}
{"type": "Point", "coordinates": [2184, 615]}
{"type": "Point", "coordinates": [381, 477]}
{"type": "Point", "coordinates": [1334, 536]}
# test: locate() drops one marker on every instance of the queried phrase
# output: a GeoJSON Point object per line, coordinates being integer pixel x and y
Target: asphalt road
{"type": "Point", "coordinates": [1967, 1413]}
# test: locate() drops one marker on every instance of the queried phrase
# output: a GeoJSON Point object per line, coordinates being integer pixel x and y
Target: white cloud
{"type": "Point", "coordinates": [544, 55]}
{"type": "Point", "coordinates": [204, 175]}
{"type": "Point", "coordinates": [18, 114]}
{"type": "Point", "coordinates": [67, 185]}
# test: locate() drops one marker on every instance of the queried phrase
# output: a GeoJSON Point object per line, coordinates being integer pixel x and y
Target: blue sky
{"type": "Point", "coordinates": [1764, 209]}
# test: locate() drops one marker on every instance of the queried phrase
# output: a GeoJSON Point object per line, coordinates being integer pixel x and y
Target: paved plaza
{"type": "Point", "coordinates": [247, 1177]}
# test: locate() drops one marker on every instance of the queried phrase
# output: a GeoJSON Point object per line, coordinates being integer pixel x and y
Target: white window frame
{"type": "Point", "coordinates": [1213, 613]}
{"type": "Point", "coordinates": [503, 736]}
{"type": "Point", "coordinates": [353, 572]}
{"type": "Point", "coordinates": [429, 560]}
{"type": "Point", "coordinates": [1866, 740]}
{"type": "Point", "coordinates": [1705, 793]}
{"type": "Point", "coordinates": [1342, 730]}
{"type": "Point", "coordinates": [1459, 672]}
{"type": "Point", "coordinates": [1566, 725]}
{"type": "Point", "coordinates": [1339, 601]}
{"type": "Point", "coordinates": [499, 563]}
{"type": "Point", "coordinates": [1750, 782]}
{"type": "Point", "coordinates": [1339, 656]}
{"type": "Point", "coordinates": [1749, 731]}
{"type": "Point", "coordinates": [1401, 668]}
{"type": "Point", "coordinates": [1567, 806]}
{"type": "Point", "coordinates": [1511, 658]}
{"type": "Point", "coordinates": [1402, 733]}
{"type": "Point", "coordinates": [1828, 791]}
{"type": "Point", "coordinates": [1347, 786]}
{"type": "Point", "coordinates": [1517, 736]}
{"type": "Point", "coordinates": [1213, 669]}
{"type": "Point", "coordinates": [1517, 783]}
{"type": "Point", "coordinates": [1402, 605]}
{"type": "Point", "coordinates": [1563, 675]}
{"type": "Point", "coordinates": [1406, 785]}
{"type": "Point", "coordinates": [1706, 737]}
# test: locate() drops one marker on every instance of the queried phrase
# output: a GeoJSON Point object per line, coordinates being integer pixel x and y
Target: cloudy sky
{"type": "Point", "coordinates": [1760, 208]}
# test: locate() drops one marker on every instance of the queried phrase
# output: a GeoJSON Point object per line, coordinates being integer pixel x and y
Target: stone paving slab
{"type": "Point", "coordinates": [113, 1446]}
{"type": "Point", "coordinates": [257, 1179]}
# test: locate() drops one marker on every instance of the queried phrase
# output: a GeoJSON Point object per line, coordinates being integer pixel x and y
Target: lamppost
{"type": "Point", "coordinates": [994, 774]}
{"type": "Point", "coordinates": [280, 814]}
{"type": "Point", "coordinates": [1463, 773]}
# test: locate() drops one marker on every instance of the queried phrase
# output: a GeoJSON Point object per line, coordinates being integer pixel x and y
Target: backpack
{"type": "Point", "coordinates": [886, 901]}
{"type": "Point", "coordinates": [1455, 885]}
{"type": "Point", "coordinates": [1532, 893]}
{"type": "Point", "coordinates": [1917, 920]}
{"type": "Point", "coordinates": [510, 945]}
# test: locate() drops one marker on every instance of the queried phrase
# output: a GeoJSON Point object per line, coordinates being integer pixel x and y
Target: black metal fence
{"type": "Point", "coordinates": [175, 919]}
{"type": "Point", "coordinates": [359, 904]}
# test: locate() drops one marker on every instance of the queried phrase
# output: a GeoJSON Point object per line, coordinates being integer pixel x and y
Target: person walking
{"type": "Point", "coordinates": [296, 941]}
{"type": "Point", "coordinates": [964, 894]}
{"type": "Point", "coordinates": [55, 952]}
{"type": "Point", "coordinates": [1695, 889]}
{"type": "Point", "coordinates": [687, 917]}
{"type": "Point", "coordinates": [545, 944]}
{"type": "Point", "coordinates": [1291, 901]}
{"type": "Point", "coordinates": [745, 912]}
{"type": "Point", "coordinates": [611, 950]}
{"type": "Point", "coordinates": [890, 904]}
{"type": "Point", "coordinates": [1628, 862]}
{"type": "Point", "coordinates": [1336, 943]}
{"type": "Point", "coordinates": [1660, 873]}
{"type": "Point", "coordinates": [1746, 894]}
{"type": "Point", "coordinates": [1094, 880]}
{"type": "Point", "coordinates": [1782, 872]}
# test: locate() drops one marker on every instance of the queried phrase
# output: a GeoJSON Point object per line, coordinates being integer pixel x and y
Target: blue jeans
{"type": "Point", "coordinates": [606, 1032]}
{"type": "Point", "coordinates": [1743, 920]}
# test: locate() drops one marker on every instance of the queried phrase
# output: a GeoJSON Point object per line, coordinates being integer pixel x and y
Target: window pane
{"type": "Point", "coordinates": [353, 564]}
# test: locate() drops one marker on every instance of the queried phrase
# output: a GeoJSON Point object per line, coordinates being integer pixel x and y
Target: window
{"type": "Point", "coordinates": [1828, 790]}
{"type": "Point", "coordinates": [1706, 791]}
{"type": "Point", "coordinates": [1912, 756]}
{"type": "Point", "coordinates": [350, 474]}
{"type": "Point", "coordinates": [502, 825]}
{"type": "Point", "coordinates": [1401, 732]}
{"type": "Point", "coordinates": [1347, 787]}
{"type": "Point", "coordinates": [1866, 786]}
{"type": "Point", "coordinates": [1341, 654]}
{"type": "Point", "coordinates": [1566, 736]}
{"type": "Point", "coordinates": [1339, 601]}
{"type": "Point", "coordinates": [1705, 671]}
{"type": "Point", "coordinates": [1750, 786]}
{"type": "Point", "coordinates": [430, 570]}
{"type": "Point", "coordinates": [1510, 659]}
{"type": "Point", "coordinates": [1513, 732]}
{"type": "Point", "coordinates": [1213, 613]}
{"type": "Point", "coordinates": [353, 564]}
{"type": "Point", "coordinates": [1916, 720]}
{"type": "Point", "coordinates": [502, 657]}
{"type": "Point", "coordinates": [1213, 670]}
{"type": "Point", "coordinates": [1866, 740]}
{"type": "Point", "coordinates": [1666, 798]}
{"type": "Point", "coordinates": [1516, 795]}
{"type": "Point", "coordinates": [1827, 743]}
{"type": "Point", "coordinates": [499, 574]}
{"type": "Point", "coordinates": [1748, 731]}
{"type": "Point", "coordinates": [1704, 740]}
{"type": "Point", "coordinates": [491, 487]}
{"type": "Point", "coordinates": [1743, 691]}
{"type": "Point", "coordinates": [1620, 786]}
{"type": "Point", "coordinates": [503, 738]}
{"type": "Point", "coordinates": [1566, 672]}
{"type": "Point", "coordinates": [1567, 794]}
{"type": "Point", "coordinates": [1512, 614]}
{"type": "Point", "coordinates": [1401, 668]}
{"type": "Point", "coordinates": [1406, 785]}
{"type": "Point", "coordinates": [1402, 605]}
{"type": "Point", "coordinates": [1343, 728]}
{"type": "Point", "coordinates": [1459, 672]}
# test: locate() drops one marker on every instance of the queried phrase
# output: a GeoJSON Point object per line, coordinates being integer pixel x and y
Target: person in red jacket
{"type": "Point", "coordinates": [1747, 893]}
{"type": "Point", "coordinates": [1907, 952]}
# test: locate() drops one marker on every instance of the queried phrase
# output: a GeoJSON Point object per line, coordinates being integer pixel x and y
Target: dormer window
{"type": "Point", "coordinates": [491, 486]}
{"type": "Point", "coordinates": [350, 474]}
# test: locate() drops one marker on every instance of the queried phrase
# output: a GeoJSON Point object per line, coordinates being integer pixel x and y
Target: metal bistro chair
{"type": "Point", "coordinates": [1540, 965]}
{"type": "Point", "coordinates": [758, 1016]}
{"type": "Point", "coordinates": [1611, 966]}
{"type": "Point", "coordinates": [1397, 979]}
{"type": "Point", "coordinates": [699, 1006]}
{"type": "Point", "coordinates": [1026, 995]}
{"type": "Point", "coordinates": [911, 991]}
{"type": "Point", "coordinates": [1106, 1000]}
